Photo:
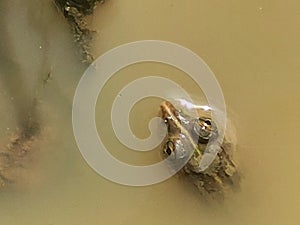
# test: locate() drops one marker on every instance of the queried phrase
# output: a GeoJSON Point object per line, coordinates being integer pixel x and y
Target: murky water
{"type": "Point", "coordinates": [253, 49]}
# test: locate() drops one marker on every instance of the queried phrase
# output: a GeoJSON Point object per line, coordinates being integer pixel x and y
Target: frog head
{"type": "Point", "coordinates": [187, 135]}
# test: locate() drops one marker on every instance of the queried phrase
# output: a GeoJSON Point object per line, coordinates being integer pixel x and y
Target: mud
{"type": "Point", "coordinates": [17, 154]}
{"type": "Point", "coordinates": [76, 11]}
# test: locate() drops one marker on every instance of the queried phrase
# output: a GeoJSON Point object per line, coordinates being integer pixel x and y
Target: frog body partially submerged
{"type": "Point", "coordinates": [189, 136]}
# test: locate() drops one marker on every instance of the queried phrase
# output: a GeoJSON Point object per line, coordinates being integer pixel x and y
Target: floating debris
{"type": "Point", "coordinates": [47, 79]}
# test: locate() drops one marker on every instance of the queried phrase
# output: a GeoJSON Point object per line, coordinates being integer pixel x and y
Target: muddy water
{"type": "Point", "coordinates": [252, 48]}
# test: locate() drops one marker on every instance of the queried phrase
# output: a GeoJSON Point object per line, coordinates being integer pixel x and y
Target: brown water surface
{"type": "Point", "coordinates": [253, 49]}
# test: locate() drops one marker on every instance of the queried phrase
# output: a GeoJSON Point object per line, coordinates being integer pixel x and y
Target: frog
{"type": "Point", "coordinates": [189, 136]}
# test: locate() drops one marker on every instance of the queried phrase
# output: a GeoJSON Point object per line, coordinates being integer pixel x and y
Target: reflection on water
{"type": "Point", "coordinates": [251, 46]}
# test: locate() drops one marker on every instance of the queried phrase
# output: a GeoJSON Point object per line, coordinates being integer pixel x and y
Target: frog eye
{"type": "Point", "coordinates": [208, 122]}
{"type": "Point", "coordinates": [203, 127]}
{"type": "Point", "coordinates": [169, 148]}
